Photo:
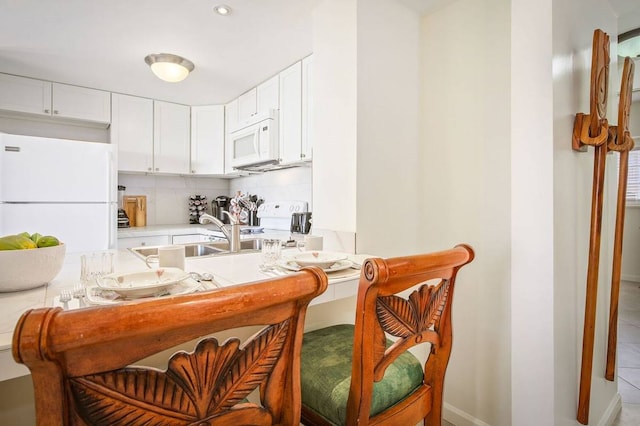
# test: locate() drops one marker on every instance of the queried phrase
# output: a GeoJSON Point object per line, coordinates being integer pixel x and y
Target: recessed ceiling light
{"type": "Point", "coordinates": [222, 9]}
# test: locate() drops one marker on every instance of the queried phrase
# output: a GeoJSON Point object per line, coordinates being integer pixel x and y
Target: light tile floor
{"type": "Point", "coordinates": [629, 354]}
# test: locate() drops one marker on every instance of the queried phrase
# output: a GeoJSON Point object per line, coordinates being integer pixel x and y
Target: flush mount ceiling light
{"type": "Point", "coordinates": [629, 44]}
{"type": "Point", "coordinates": [222, 9]}
{"type": "Point", "coordinates": [168, 67]}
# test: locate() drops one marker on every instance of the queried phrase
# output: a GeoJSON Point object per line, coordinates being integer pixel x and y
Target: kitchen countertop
{"type": "Point", "coordinates": [186, 229]}
{"type": "Point", "coordinates": [227, 270]}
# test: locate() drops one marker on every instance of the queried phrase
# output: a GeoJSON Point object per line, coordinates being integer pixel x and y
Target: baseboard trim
{"type": "Point", "coordinates": [634, 278]}
{"type": "Point", "coordinates": [612, 411]}
{"type": "Point", "coordinates": [459, 417]}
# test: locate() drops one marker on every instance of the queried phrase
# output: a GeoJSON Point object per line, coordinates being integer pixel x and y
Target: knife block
{"type": "Point", "coordinates": [136, 208]}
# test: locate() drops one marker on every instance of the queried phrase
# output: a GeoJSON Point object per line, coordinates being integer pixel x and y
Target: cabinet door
{"type": "Point", "coordinates": [307, 108]}
{"type": "Point", "coordinates": [132, 130]}
{"type": "Point", "coordinates": [131, 242]}
{"type": "Point", "coordinates": [268, 95]}
{"type": "Point", "coordinates": [246, 108]}
{"type": "Point", "coordinates": [231, 117]}
{"type": "Point", "coordinates": [25, 95]}
{"type": "Point", "coordinates": [171, 137]}
{"type": "Point", "coordinates": [207, 140]}
{"type": "Point", "coordinates": [81, 103]}
{"type": "Point", "coordinates": [189, 238]}
{"type": "Point", "coordinates": [291, 114]}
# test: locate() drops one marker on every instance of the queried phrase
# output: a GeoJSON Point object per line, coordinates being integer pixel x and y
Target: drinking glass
{"type": "Point", "coordinates": [93, 265]}
{"type": "Point", "coordinates": [270, 252]}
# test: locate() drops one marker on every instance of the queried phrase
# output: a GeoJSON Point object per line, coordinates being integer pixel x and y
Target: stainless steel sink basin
{"type": "Point", "coordinates": [190, 250]}
{"type": "Point", "coordinates": [205, 249]}
{"type": "Point", "coordinates": [245, 245]}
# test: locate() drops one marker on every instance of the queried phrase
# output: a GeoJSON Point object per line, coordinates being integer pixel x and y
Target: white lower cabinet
{"type": "Point", "coordinates": [131, 242]}
{"type": "Point", "coordinates": [190, 238]}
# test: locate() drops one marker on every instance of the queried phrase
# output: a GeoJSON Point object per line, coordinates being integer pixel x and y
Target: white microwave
{"type": "Point", "coordinates": [256, 145]}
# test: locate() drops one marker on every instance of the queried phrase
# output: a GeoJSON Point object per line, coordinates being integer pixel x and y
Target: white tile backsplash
{"type": "Point", "coordinates": [168, 196]}
{"type": "Point", "coordinates": [287, 184]}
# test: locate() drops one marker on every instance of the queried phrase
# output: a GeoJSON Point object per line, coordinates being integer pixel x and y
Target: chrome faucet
{"type": "Point", "coordinates": [231, 233]}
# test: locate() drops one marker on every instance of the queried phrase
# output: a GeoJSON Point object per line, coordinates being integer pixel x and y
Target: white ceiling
{"type": "Point", "coordinates": [102, 43]}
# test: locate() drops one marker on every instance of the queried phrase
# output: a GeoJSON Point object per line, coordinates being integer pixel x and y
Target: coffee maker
{"type": "Point", "coordinates": [221, 203]}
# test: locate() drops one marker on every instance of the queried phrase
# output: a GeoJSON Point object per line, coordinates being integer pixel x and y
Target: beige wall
{"type": "Point", "coordinates": [631, 244]}
{"type": "Point", "coordinates": [465, 161]}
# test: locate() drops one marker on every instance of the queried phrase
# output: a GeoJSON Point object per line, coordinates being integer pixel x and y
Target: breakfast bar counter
{"type": "Point", "coordinates": [227, 270]}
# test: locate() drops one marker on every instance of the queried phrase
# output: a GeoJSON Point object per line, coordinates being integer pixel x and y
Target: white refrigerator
{"type": "Point", "coordinates": [59, 187]}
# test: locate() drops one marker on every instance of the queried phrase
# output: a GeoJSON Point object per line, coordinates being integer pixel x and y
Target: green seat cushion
{"type": "Point", "coordinates": [326, 374]}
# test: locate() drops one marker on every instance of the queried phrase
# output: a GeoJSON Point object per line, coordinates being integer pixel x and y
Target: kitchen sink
{"type": "Point", "coordinates": [245, 245]}
{"type": "Point", "coordinates": [205, 249]}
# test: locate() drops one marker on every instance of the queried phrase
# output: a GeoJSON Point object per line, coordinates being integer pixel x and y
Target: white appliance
{"type": "Point", "coordinates": [59, 187]}
{"type": "Point", "coordinates": [277, 214]}
{"type": "Point", "coordinates": [255, 147]}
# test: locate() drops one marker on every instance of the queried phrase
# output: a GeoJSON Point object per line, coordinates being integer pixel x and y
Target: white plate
{"type": "Point", "coordinates": [99, 296]}
{"type": "Point", "coordinates": [142, 284]}
{"type": "Point", "coordinates": [292, 265]}
{"type": "Point", "coordinates": [322, 259]}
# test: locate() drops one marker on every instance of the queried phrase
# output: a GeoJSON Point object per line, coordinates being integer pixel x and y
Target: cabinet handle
{"type": "Point", "coordinates": [55, 111]}
{"type": "Point", "coordinates": [149, 169]}
{"type": "Point", "coordinates": [302, 155]}
{"type": "Point", "coordinates": [46, 111]}
{"type": "Point", "coordinates": [157, 169]}
{"type": "Point", "coordinates": [143, 243]}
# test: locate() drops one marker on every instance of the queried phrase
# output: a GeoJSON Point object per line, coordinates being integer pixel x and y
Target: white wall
{"type": "Point", "coordinates": [168, 196]}
{"type": "Point", "coordinates": [499, 99]}
{"type": "Point", "coordinates": [286, 184]}
{"type": "Point", "coordinates": [573, 177]}
{"type": "Point", "coordinates": [533, 395]}
{"type": "Point", "coordinates": [388, 175]}
{"type": "Point", "coordinates": [466, 192]}
{"type": "Point", "coordinates": [631, 238]}
{"type": "Point", "coordinates": [21, 126]}
{"type": "Point", "coordinates": [335, 120]}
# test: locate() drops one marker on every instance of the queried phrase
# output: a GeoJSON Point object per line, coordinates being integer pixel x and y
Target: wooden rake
{"type": "Point", "coordinates": [593, 129]}
{"type": "Point", "coordinates": [620, 140]}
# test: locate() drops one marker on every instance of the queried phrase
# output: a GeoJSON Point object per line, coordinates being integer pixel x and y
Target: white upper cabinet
{"type": "Point", "coordinates": [268, 95]}
{"type": "Point", "coordinates": [25, 95]}
{"type": "Point", "coordinates": [296, 105]}
{"type": "Point", "coordinates": [171, 137]}
{"type": "Point", "coordinates": [307, 108]}
{"type": "Point", "coordinates": [81, 103]}
{"type": "Point", "coordinates": [231, 122]}
{"type": "Point", "coordinates": [258, 100]}
{"type": "Point", "coordinates": [290, 125]}
{"type": "Point", "coordinates": [21, 95]}
{"type": "Point", "coordinates": [207, 140]}
{"type": "Point", "coordinates": [132, 130]}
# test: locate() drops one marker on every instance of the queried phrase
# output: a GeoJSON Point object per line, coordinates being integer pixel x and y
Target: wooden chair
{"type": "Point", "coordinates": [80, 360]}
{"type": "Point", "coordinates": [357, 375]}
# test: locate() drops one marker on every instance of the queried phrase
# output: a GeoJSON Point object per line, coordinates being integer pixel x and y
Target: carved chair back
{"type": "Point", "coordinates": [81, 360]}
{"type": "Point", "coordinates": [424, 317]}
